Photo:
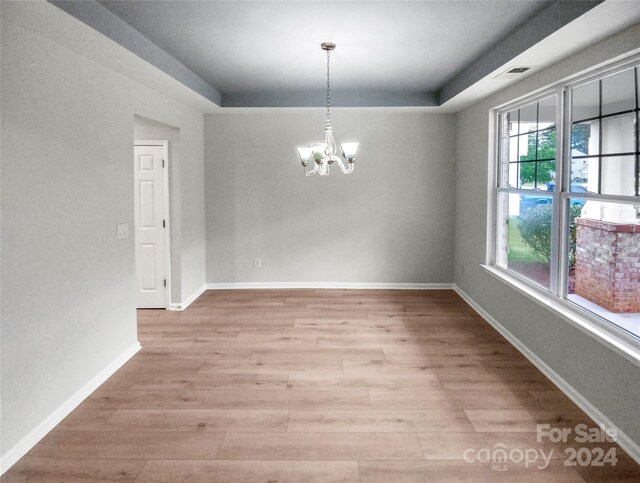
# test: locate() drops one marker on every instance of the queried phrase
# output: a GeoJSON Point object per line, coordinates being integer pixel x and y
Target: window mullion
{"type": "Point", "coordinates": [558, 231]}
{"type": "Point", "coordinates": [637, 133]}
{"type": "Point", "coordinates": [565, 189]}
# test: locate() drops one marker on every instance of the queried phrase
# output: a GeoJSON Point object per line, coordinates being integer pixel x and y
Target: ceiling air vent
{"type": "Point", "coordinates": [518, 70]}
{"type": "Point", "coordinates": [513, 73]}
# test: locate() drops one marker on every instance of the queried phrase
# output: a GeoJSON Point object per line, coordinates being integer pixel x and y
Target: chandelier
{"type": "Point", "coordinates": [324, 153]}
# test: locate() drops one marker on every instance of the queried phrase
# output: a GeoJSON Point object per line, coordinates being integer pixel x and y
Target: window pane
{"type": "Point", "coordinates": [618, 92]}
{"type": "Point", "coordinates": [585, 101]}
{"type": "Point", "coordinates": [546, 144]}
{"type": "Point", "coordinates": [547, 112]}
{"type": "Point", "coordinates": [522, 175]}
{"type": "Point", "coordinates": [513, 149]}
{"type": "Point", "coordinates": [525, 235]}
{"type": "Point", "coordinates": [545, 175]}
{"type": "Point", "coordinates": [618, 134]}
{"type": "Point", "coordinates": [514, 175]}
{"type": "Point", "coordinates": [603, 260]}
{"type": "Point", "coordinates": [528, 118]}
{"type": "Point", "coordinates": [584, 175]}
{"type": "Point", "coordinates": [618, 176]}
{"type": "Point", "coordinates": [585, 138]}
{"type": "Point", "coordinates": [527, 147]}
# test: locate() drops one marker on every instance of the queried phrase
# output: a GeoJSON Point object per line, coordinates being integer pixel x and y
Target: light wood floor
{"type": "Point", "coordinates": [314, 386]}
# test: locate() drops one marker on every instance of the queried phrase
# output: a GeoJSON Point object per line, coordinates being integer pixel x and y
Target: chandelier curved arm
{"type": "Point", "coordinates": [348, 170]}
{"type": "Point", "coordinates": [313, 171]}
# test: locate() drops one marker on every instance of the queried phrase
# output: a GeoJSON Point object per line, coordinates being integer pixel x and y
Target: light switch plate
{"type": "Point", "coordinates": [122, 230]}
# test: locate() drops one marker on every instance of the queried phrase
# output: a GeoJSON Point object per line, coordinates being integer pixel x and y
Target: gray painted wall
{"type": "Point", "coordinates": [67, 283]}
{"type": "Point", "coordinates": [607, 380]}
{"type": "Point", "coordinates": [389, 221]}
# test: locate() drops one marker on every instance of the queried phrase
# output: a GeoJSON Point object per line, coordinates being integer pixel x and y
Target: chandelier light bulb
{"type": "Point", "coordinates": [349, 149]}
{"type": "Point", "coordinates": [319, 151]}
{"type": "Point", "coordinates": [324, 153]}
{"type": "Point", "coordinates": [305, 155]}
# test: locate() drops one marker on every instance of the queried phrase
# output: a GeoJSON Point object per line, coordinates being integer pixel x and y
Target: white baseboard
{"type": "Point", "coordinates": [328, 285]}
{"type": "Point", "coordinates": [36, 434]}
{"type": "Point", "coordinates": [189, 300]}
{"type": "Point", "coordinates": [626, 443]}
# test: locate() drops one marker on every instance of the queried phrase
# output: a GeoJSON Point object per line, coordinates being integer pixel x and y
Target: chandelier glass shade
{"type": "Point", "coordinates": [324, 153]}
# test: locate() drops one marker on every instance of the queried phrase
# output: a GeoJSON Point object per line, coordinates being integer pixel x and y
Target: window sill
{"type": "Point", "coordinates": [599, 329]}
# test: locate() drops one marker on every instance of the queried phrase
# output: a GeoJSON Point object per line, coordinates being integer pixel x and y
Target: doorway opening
{"type": "Point", "coordinates": [156, 146]}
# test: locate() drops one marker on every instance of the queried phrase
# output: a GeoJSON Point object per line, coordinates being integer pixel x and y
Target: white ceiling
{"type": "Point", "coordinates": [248, 46]}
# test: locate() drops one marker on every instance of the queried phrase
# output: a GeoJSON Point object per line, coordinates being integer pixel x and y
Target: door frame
{"type": "Point", "coordinates": [167, 218]}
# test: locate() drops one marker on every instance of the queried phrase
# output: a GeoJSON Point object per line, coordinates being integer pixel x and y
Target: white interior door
{"type": "Point", "coordinates": [151, 231]}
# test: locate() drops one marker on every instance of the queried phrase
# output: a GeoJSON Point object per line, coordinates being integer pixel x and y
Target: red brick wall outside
{"type": "Point", "coordinates": [608, 264]}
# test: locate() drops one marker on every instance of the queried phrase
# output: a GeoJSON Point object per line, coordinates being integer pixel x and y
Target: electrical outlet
{"type": "Point", "coordinates": [257, 263]}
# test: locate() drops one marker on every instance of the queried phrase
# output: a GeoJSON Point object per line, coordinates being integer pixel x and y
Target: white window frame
{"type": "Point", "coordinates": [555, 299]}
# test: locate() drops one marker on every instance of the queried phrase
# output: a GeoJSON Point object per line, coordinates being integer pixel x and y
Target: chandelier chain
{"type": "Point", "coordinates": [328, 87]}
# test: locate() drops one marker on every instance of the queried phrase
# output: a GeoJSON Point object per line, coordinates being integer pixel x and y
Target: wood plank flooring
{"type": "Point", "coordinates": [319, 386]}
